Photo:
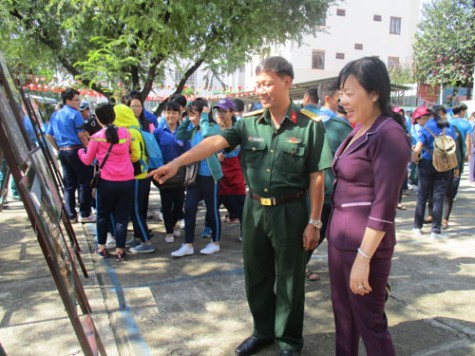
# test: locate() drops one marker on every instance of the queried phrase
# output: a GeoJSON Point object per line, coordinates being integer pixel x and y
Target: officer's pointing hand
{"type": "Point", "coordinates": [164, 173]}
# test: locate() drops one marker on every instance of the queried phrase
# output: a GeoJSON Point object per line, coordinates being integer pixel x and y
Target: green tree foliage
{"type": "Point", "coordinates": [444, 50]}
{"type": "Point", "coordinates": [401, 74]}
{"type": "Point", "coordinates": [111, 41]}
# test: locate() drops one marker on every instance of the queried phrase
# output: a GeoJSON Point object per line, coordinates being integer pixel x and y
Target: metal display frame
{"type": "Point", "coordinates": [36, 176]}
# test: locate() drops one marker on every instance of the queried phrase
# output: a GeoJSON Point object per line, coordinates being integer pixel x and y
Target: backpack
{"type": "Point", "coordinates": [444, 156]}
{"type": "Point", "coordinates": [154, 154]}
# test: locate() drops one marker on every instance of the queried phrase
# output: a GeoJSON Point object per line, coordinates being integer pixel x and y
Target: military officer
{"type": "Point", "coordinates": [283, 154]}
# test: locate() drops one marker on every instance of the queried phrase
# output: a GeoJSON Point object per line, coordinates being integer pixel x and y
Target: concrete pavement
{"type": "Point", "coordinates": [155, 305]}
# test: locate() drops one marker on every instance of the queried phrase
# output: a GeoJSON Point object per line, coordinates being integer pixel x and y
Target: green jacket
{"type": "Point", "coordinates": [207, 129]}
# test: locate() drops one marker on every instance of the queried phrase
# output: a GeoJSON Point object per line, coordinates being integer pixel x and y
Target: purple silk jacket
{"type": "Point", "coordinates": [369, 175]}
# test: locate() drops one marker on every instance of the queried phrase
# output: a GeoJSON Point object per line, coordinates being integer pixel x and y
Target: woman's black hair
{"type": "Point", "coordinates": [106, 115]}
{"type": "Point", "coordinates": [372, 75]}
{"type": "Point", "coordinates": [136, 95]}
{"type": "Point", "coordinates": [441, 122]}
{"type": "Point", "coordinates": [198, 104]}
{"type": "Point", "coordinates": [172, 106]}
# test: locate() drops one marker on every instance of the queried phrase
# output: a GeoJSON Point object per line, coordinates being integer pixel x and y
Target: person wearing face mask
{"type": "Point", "coordinates": [369, 168]}
{"type": "Point", "coordinates": [207, 180]}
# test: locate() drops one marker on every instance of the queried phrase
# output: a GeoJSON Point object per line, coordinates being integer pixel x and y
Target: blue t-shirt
{"type": "Point", "coordinates": [426, 138]}
{"type": "Point", "coordinates": [312, 108]}
{"type": "Point", "coordinates": [464, 128]}
{"type": "Point", "coordinates": [150, 118]}
{"type": "Point", "coordinates": [171, 147]}
{"type": "Point", "coordinates": [64, 126]}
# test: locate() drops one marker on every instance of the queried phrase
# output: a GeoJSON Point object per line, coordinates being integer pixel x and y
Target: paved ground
{"type": "Point", "coordinates": [155, 305]}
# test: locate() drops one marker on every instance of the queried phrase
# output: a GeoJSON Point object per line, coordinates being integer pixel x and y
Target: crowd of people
{"type": "Point", "coordinates": [291, 175]}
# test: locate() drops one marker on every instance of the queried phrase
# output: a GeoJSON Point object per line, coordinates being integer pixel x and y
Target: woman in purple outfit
{"type": "Point", "coordinates": [369, 168]}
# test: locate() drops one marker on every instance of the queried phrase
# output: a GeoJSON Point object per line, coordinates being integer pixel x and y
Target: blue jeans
{"type": "Point", "coordinates": [207, 189]}
{"type": "Point", "coordinates": [437, 182]}
{"type": "Point", "coordinates": [76, 176]}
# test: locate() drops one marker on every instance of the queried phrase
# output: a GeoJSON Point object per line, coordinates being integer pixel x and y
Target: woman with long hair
{"type": "Point", "coordinates": [114, 191]}
{"type": "Point", "coordinates": [207, 179]}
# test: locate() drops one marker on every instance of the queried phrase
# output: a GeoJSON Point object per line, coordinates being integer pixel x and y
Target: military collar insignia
{"type": "Point", "coordinates": [293, 117]}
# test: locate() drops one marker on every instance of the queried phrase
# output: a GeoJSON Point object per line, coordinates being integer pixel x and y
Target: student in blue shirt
{"type": "Point", "coordinates": [428, 176]}
{"type": "Point", "coordinates": [172, 199]}
{"type": "Point", "coordinates": [65, 132]}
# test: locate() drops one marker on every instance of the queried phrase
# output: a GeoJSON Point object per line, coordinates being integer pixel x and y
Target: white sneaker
{"type": "Point", "coordinates": [88, 219]}
{"type": "Point", "coordinates": [177, 232]}
{"type": "Point", "coordinates": [438, 235]}
{"type": "Point", "coordinates": [110, 243]}
{"type": "Point", "coordinates": [210, 249]}
{"type": "Point", "coordinates": [182, 223]}
{"type": "Point", "coordinates": [169, 238]}
{"type": "Point", "coordinates": [417, 232]}
{"type": "Point", "coordinates": [240, 238]}
{"type": "Point", "coordinates": [184, 250]}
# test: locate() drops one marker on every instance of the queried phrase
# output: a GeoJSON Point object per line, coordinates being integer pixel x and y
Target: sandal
{"type": "Point", "coordinates": [120, 256]}
{"type": "Point", "coordinates": [311, 276]}
{"type": "Point", "coordinates": [401, 206]}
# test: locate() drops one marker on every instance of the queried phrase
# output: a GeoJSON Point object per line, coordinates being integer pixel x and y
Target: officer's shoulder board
{"type": "Point", "coordinates": [311, 115]}
{"type": "Point", "coordinates": [254, 113]}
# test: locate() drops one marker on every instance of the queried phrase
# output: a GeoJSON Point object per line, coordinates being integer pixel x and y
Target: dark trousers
{"type": "Point", "coordinates": [357, 315]}
{"type": "Point", "coordinates": [172, 206]}
{"type": "Point", "coordinates": [234, 204]}
{"type": "Point", "coordinates": [76, 176]}
{"type": "Point", "coordinates": [139, 208]}
{"type": "Point", "coordinates": [113, 204]}
{"type": "Point", "coordinates": [431, 181]}
{"type": "Point", "coordinates": [205, 188]}
{"type": "Point", "coordinates": [448, 199]}
{"type": "Point", "coordinates": [274, 269]}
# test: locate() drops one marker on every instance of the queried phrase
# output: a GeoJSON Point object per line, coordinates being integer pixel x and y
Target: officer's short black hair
{"type": "Point", "coordinates": [277, 65]}
{"type": "Point", "coordinates": [312, 94]}
{"type": "Point", "coordinates": [239, 105]}
{"type": "Point", "coordinates": [327, 88]}
{"type": "Point", "coordinates": [458, 108]}
{"type": "Point", "coordinates": [68, 94]}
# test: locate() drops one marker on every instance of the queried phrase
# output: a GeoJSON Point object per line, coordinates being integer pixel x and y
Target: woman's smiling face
{"type": "Point", "coordinates": [357, 102]}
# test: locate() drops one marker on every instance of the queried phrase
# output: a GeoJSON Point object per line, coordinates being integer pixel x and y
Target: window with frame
{"type": "Point", "coordinates": [358, 46]}
{"type": "Point", "coordinates": [340, 55]}
{"type": "Point", "coordinates": [340, 12]}
{"type": "Point", "coordinates": [377, 18]}
{"type": "Point", "coordinates": [318, 59]}
{"type": "Point", "coordinates": [395, 26]}
{"type": "Point", "coordinates": [191, 81]}
{"type": "Point", "coordinates": [393, 62]}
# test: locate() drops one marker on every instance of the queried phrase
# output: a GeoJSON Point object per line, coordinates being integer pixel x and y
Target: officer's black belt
{"type": "Point", "coordinates": [69, 148]}
{"type": "Point", "coordinates": [272, 201]}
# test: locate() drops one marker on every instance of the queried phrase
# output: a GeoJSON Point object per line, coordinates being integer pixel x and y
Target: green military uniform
{"type": "Point", "coordinates": [277, 163]}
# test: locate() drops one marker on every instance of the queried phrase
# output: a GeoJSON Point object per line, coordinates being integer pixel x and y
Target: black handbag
{"type": "Point", "coordinates": [95, 179]}
{"type": "Point", "coordinates": [184, 177]}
